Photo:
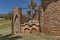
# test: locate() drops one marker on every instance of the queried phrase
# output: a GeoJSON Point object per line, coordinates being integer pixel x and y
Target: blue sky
{"type": "Point", "coordinates": [7, 5]}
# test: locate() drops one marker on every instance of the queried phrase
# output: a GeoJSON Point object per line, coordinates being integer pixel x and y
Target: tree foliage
{"type": "Point", "coordinates": [8, 16]}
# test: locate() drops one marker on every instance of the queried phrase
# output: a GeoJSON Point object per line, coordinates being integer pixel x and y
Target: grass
{"type": "Point", "coordinates": [5, 30]}
{"type": "Point", "coordinates": [40, 37]}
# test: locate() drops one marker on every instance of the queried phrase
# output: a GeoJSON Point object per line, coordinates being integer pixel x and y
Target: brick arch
{"type": "Point", "coordinates": [26, 30]}
{"type": "Point", "coordinates": [45, 3]}
{"type": "Point", "coordinates": [33, 30]}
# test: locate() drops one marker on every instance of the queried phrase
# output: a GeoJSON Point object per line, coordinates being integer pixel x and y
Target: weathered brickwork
{"type": "Point", "coordinates": [48, 20]}
{"type": "Point", "coordinates": [51, 17]}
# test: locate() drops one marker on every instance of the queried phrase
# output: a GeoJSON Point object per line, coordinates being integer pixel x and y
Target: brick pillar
{"type": "Point", "coordinates": [16, 28]}
{"type": "Point", "coordinates": [41, 19]}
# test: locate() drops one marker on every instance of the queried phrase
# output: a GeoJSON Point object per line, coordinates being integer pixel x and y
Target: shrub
{"type": "Point", "coordinates": [8, 16]}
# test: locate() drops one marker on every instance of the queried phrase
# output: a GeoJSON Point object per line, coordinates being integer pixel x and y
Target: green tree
{"type": "Point", "coordinates": [8, 16]}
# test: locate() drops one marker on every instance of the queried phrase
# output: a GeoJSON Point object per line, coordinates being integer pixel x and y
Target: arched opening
{"type": "Point", "coordinates": [45, 3]}
{"type": "Point", "coordinates": [33, 30]}
{"type": "Point", "coordinates": [26, 30]}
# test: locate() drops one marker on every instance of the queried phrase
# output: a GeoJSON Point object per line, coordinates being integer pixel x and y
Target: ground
{"type": "Point", "coordinates": [5, 33]}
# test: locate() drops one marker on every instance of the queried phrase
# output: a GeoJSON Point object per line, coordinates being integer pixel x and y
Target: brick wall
{"type": "Point", "coordinates": [51, 17]}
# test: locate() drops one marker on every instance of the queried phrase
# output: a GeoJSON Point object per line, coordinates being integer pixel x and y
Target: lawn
{"type": "Point", "coordinates": [5, 33]}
